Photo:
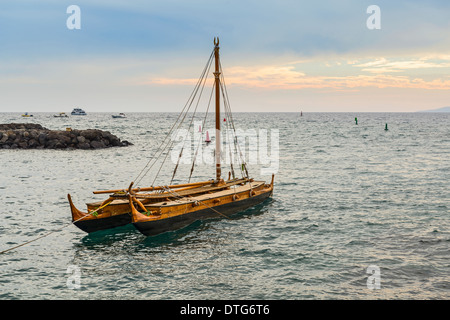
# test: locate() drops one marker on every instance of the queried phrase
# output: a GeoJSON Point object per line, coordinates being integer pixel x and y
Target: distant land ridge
{"type": "Point", "coordinates": [444, 109]}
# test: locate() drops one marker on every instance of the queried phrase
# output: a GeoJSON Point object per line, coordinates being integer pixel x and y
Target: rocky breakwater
{"type": "Point", "coordinates": [34, 136]}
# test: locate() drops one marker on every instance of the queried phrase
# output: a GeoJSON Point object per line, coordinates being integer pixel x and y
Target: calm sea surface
{"type": "Point", "coordinates": [346, 197]}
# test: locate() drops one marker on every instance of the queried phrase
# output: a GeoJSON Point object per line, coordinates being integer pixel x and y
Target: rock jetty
{"type": "Point", "coordinates": [34, 136]}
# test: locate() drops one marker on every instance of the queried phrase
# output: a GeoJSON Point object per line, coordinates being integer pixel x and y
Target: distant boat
{"type": "Point", "coordinates": [120, 115]}
{"type": "Point", "coordinates": [61, 115]}
{"type": "Point", "coordinates": [26, 115]}
{"type": "Point", "coordinates": [78, 112]}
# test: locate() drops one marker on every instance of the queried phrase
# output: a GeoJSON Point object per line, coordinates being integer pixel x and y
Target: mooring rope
{"type": "Point", "coordinates": [57, 230]}
{"type": "Point", "coordinates": [43, 236]}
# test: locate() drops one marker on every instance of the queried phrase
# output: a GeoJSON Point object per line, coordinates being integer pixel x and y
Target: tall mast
{"type": "Point", "coordinates": [217, 83]}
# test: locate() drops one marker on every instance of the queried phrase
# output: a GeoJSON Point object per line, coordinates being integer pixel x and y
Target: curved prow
{"type": "Point", "coordinates": [76, 214]}
{"type": "Point", "coordinates": [136, 216]}
{"type": "Point", "coordinates": [134, 212]}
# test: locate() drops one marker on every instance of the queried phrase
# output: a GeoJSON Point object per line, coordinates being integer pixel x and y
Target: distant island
{"type": "Point", "coordinates": [444, 109]}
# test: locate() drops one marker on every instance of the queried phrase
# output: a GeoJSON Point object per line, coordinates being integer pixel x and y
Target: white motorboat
{"type": "Point", "coordinates": [78, 112]}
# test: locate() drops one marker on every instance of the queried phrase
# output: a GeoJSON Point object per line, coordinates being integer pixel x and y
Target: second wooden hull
{"type": "Point", "coordinates": [173, 215]}
{"type": "Point", "coordinates": [155, 227]}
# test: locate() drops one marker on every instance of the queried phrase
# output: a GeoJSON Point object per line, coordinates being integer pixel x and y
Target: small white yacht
{"type": "Point", "coordinates": [120, 115]}
{"type": "Point", "coordinates": [78, 112]}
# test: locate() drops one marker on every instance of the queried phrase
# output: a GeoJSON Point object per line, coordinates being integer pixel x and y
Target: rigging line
{"type": "Point", "coordinates": [158, 150]}
{"type": "Point", "coordinates": [179, 116]}
{"type": "Point", "coordinates": [228, 107]}
{"type": "Point", "coordinates": [227, 131]}
{"type": "Point", "coordinates": [201, 134]}
{"type": "Point", "coordinates": [171, 129]}
{"type": "Point", "coordinates": [184, 117]}
{"type": "Point", "coordinates": [154, 158]}
{"type": "Point", "coordinates": [188, 128]}
{"type": "Point", "coordinates": [243, 164]}
{"type": "Point", "coordinates": [236, 143]}
{"type": "Point", "coordinates": [44, 235]}
{"type": "Point", "coordinates": [228, 128]}
{"type": "Point", "coordinates": [160, 167]}
{"type": "Point", "coordinates": [227, 99]}
{"type": "Point", "coordinates": [192, 120]}
{"type": "Point", "coordinates": [225, 91]}
{"type": "Point", "coordinates": [229, 148]}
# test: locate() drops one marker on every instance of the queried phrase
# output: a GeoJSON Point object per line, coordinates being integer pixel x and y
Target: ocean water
{"type": "Point", "coordinates": [348, 198]}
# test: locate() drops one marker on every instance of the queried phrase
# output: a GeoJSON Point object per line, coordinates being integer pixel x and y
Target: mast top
{"type": "Point", "coordinates": [216, 43]}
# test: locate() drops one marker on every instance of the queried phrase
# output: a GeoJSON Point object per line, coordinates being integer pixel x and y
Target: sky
{"type": "Point", "coordinates": [291, 56]}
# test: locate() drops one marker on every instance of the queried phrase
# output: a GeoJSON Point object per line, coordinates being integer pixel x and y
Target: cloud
{"type": "Point", "coordinates": [376, 73]}
{"type": "Point", "coordinates": [384, 65]}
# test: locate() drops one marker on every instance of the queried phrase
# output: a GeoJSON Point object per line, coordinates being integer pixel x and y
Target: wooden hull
{"type": "Point", "coordinates": [116, 215]}
{"type": "Point", "coordinates": [155, 227]}
{"type": "Point", "coordinates": [171, 210]}
{"type": "Point", "coordinates": [170, 216]}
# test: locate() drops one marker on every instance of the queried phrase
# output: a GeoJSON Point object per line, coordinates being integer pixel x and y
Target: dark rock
{"type": "Point", "coordinates": [42, 139]}
{"type": "Point", "coordinates": [50, 144]}
{"type": "Point", "coordinates": [97, 144]}
{"type": "Point", "coordinates": [34, 136]}
{"type": "Point", "coordinates": [84, 146]}
{"type": "Point", "coordinates": [32, 143]}
{"type": "Point", "coordinates": [20, 126]}
{"type": "Point", "coordinates": [11, 135]}
{"type": "Point", "coordinates": [4, 138]}
{"type": "Point", "coordinates": [64, 138]}
{"type": "Point", "coordinates": [90, 134]}
{"type": "Point", "coordinates": [23, 145]}
{"type": "Point", "coordinates": [52, 135]}
{"type": "Point", "coordinates": [60, 145]}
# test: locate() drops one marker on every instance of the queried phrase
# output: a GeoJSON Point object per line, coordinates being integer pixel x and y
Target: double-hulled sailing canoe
{"type": "Point", "coordinates": [157, 209]}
